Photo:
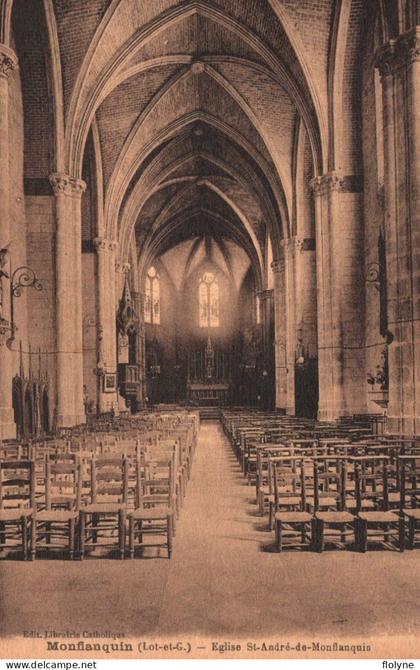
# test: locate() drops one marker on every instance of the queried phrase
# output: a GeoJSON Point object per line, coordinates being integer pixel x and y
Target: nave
{"type": "Point", "coordinates": [222, 580]}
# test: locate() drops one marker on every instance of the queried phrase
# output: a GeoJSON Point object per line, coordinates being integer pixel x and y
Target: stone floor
{"type": "Point", "coordinates": [222, 582]}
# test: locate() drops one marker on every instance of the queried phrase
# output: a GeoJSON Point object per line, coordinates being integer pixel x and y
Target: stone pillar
{"type": "Point", "coordinates": [285, 340]}
{"type": "Point", "coordinates": [8, 62]}
{"type": "Point", "coordinates": [141, 345]}
{"type": "Point", "coordinates": [106, 328]}
{"type": "Point", "coordinates": [267, 317]}
{"type": "Point", "coordinates": [305, 294]}
{"type": "Point", "coordinates": [112, 303]}
{"type": "Point", "coordinates": [340, 295]}
{"type": "Point", "coordinates": [69, 326]}
{"type": "Point", "coordinates": [398, 62]}
{"type": "Point", "coordinates": [121, 271]}
{"type": "Point", "coordinates": [279, 272]}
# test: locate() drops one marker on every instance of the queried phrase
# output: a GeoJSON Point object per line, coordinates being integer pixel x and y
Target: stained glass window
{"type": "Point", "coordinates": [208, 301]}
{"type": "Point", "coordinates": [152, 297]}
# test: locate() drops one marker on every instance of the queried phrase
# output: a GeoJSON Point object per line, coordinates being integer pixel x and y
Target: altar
{"type": "Point", "coordinates": [209, 374]}
{"type": "Point", "coordinates": [208, 394]}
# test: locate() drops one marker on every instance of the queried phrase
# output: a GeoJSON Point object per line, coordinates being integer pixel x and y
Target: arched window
{"type": "Point", "coordinates": [208, 301]}
{"type": "Point", "coordinates": [152, 297]}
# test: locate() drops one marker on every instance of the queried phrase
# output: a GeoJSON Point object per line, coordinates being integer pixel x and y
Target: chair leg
{"type": "Point", "coordinates": [24, 533]}
{"type": "Point", "coordinates": [33, 538]}
{"type": "Point", "coordinates": [95, 521]}
{"type": "Point", "coordinates": [411, 532]}
{"type": "Point", "coordinates": [72, 535]}
{"type": "Point", "coordinates": [2, 533]}
{"type": "Point", "coordinates": [363, 531]}
{"type": "Point", "coordinates": [278, 535]}
{"type": "Point", "coordinates": [82, 530]}
{"type": "Point", "coordinates": [320, 536]}
{"type": "Point", "coordinates": [131, 535]}
{"type": "Point", "coordinates": [169, 531]}
{"type": "Point", "coordinates": [401, 534]}
{"type": "Point", "coordinates": [121, 526]}
{"type": "Point", "coordinates": [271, 515]}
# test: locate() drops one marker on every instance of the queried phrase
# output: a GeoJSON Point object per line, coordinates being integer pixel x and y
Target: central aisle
{"type": "Point", "coordinates": [212, 573]}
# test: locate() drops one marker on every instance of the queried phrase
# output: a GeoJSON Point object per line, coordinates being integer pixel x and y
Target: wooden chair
{"type": "Point", "coordinates": [54, 528]}
{"type": "Point", "coordinates": [17, 504]}
{"type": "Point", "coordinates": [153, 516]}
{"type": "Point", "coordinates": [333, 526]}
{"type": "Point", "coordinates": [104, 515]}
{"type": "Point", "coordinates": [293, 526]}
{"type": "Point", "coordinates": [377, 525]}
{"type": "Point", "coordinates": [409, 469]}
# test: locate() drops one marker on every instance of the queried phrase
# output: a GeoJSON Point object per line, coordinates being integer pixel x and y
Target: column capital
{"type": "Point", "coordinates": [266, 294]}
{"type": "Point", "coordinates": [100, 244]}
{"type": "Point", "coordinates": [124, 268]}
{"type": "Point", "coordinates": [336, 181]}
{"type": "Point", "coordinates": [66, 185]}
{"type": "Point", "coordinates": [105, 245]}
{"type": "Point", "coordinates": [8, 60]}
{"type": "Point", "coordinates": [398, 52]}
{"type": "Point", "coordinates": [278, 265]}
{"type": "Point", "coordinates": [304, 244]}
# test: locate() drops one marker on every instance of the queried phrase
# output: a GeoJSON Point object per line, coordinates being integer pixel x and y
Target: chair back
{"type": "Point", "coordinates": [109, 479]}
{"type": "Point", "coordinates": [288, 477]}
{"type": "Point", "coordinates": [62, 482]}
{"type": "Point", "coordinates": [371, 478]}
{"type": "Point", "coordinates": [409, 478]}
{"type": "Point", "coordinates": [155, 483]}
{"type": "Point", "coordinates": [330, 477]}
{"type": "Point", "coordinates": [17, 485]}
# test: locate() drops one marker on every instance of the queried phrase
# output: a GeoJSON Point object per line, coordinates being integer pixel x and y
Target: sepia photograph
{"type": "Point", "coordinates": [209, 330]}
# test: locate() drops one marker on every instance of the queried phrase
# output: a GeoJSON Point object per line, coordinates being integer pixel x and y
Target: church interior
{"type": "Point", "coordinates": [210, 315]}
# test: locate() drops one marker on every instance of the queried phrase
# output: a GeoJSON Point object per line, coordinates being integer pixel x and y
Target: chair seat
{"type": "Point", "coordinates": [289, 500]}
{"type": "Point", "coordinates": [293, 517]}
{"type": "Point", "coordinates": [154, 513]}
{"type": "Point", "coordinates": [378, 517]}
{"type": "Point", "coordinates": [155, 498]}
{"type": "Point", "coordinates": [323, 502]}
{"type": "Point", "coordinates": [412, 513]}
{"type": "Point", "coordinates": [335, 517]}
{"type": "Point", "coordinates": [366, 504]}
{"type": "Point", "coordinates": [394, 496]}
{"type": "Point", "coordinates": [15, 514]}
{"type": "Point", "coordinates": [103, 508]}
{"type": "Point", "coordinates": [56, 515]}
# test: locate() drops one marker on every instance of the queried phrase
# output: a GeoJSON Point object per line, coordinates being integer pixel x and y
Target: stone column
{"type": "Point", "coordinates": [285, 338]}
{"type": "Point", "coordinates": [280, 338]}
{"type": "Point", "coordinates": [305, 293]}
{"type": "Point", "coordinates": [267, 313]}
{"type": "Point", "coordinates": [106, 336]}
{"type": "Point", "coordinates": [112, 302]}
{"type": "Point", "coordinates": [340, 295]}
{"type": "Point", "coordinates": [8, 62]}
{"type": "Point", "coordinates": [69, 327]}
{"type": "Point", "coordinates": [398, 62]}
{"type": "Point", "coordinates": [138, 298]}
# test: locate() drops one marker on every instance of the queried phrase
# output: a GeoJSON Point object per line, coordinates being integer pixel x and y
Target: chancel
{"type": "Point", "coordinates": [209, 307]}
